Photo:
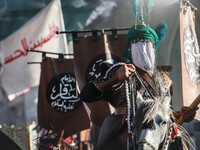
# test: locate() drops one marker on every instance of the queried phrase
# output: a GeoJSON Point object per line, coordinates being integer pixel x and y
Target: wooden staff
{"type": "Point", "coordinates": [59, 143]}
{"type": "Point", "coordinates": [192, 106]}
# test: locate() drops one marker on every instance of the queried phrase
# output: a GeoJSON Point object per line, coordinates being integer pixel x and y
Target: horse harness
{"type": "Point", "coordinates": [171, 135]}
{"type": "Point", "coordinates": [147, 143]}
{"type": "Point", "coordinates": [150, 82]}
{"type": "Point", "coordinates": [172, 128]}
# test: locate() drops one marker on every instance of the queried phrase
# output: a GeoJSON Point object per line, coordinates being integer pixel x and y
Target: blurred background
{"type": "Point", "coordinates": [96, 14]}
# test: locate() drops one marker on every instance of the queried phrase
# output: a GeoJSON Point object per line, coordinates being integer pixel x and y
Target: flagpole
{"type": "Point", "coordinates": [92, 30]}
{"type": "Point", "coordinates": [30, 63]}
{"type": "Point", "coordinates": [61, 55]}
{"type": "Point", "coordinates": [38, 51]}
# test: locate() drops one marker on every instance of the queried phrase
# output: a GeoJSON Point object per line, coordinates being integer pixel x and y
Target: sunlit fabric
{"type": "Point", "coordinates": [143, 55]}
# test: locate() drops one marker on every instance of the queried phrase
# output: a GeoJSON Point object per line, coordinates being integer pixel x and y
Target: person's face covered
{"type": "Point", "coordinates": [143, 55]}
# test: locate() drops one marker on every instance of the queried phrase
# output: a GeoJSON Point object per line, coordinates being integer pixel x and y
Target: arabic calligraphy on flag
{"type": "Point", "coordinates": [190, 54]}
{"type": "Point", "coordinates": [59, 103]}
{"type": "Point", "coordinates": [39, 33]}
{"type": "Point", "coordinates": [62, 93]}
{"type": "Point", "coordinates": [38, 44]}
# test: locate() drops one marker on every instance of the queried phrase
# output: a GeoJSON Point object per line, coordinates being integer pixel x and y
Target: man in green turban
{"type": "Point", "coordinates": [143, 42]}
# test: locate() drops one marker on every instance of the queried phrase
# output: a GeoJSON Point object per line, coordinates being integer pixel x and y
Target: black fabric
{"type": "Point", "coordinates": [111, 129]}
{"type": "Point", "coordinates": [7, 144]}
{"type": "Point", "coordinates": [90, 93]}
{"type": "Point", "coordinates": [176, 144]}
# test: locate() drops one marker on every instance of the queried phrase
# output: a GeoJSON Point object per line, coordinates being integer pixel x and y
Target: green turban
{"type": "Point", "coordinates": [141, 32]}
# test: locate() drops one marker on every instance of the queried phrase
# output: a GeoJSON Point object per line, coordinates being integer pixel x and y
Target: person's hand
{"type": "Point", "coordinates": [125, 72]}
{"type": "Point", "coordinates": [187, 113]}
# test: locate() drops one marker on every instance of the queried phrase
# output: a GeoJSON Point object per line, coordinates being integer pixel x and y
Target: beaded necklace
{"type": "Point", "coordinates": [128, 103]}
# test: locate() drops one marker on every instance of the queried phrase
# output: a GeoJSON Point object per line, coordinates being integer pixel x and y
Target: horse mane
{"type": "Point", "coordinates": [150, 108]}
{"type": "Point", "coordinates": [186, 138]}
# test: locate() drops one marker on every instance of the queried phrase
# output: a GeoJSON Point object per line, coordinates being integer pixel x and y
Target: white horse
{"type": "Point", "coordinates": [155, 128]}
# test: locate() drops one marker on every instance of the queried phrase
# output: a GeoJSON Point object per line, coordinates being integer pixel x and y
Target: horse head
{"type": "Point", "coordinates": [152, 122]}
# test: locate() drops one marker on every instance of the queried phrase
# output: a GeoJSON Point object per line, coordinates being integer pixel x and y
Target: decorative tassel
{"type": "Point", "coordinates": [148, 4]}
{"type": "Point", "coordinates": [135, 9]}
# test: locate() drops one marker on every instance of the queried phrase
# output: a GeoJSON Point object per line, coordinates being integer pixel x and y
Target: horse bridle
{"type": "Point", "coordinates": [170, 127]}
{"type": "Point", "coordinates": [147, 143]}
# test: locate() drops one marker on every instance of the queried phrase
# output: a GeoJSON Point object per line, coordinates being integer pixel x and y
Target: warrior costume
{"type": "Point", "coordinates": [143, 42]}
{"type": "Point", "coordinates": [113, 133]}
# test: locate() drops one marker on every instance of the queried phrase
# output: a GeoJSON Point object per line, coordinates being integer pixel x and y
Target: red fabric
{"type": "Point", "coordinates": [174, 132]}
{"type": "Point", "coordinates": [68, 140]}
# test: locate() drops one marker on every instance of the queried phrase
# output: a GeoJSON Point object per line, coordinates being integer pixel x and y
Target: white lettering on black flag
{"type": "Point", "coordinates": [59, 103]}
{"type": "Point", "coordinates": [62, 93]}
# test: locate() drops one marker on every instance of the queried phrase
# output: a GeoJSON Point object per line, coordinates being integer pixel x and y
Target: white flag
{"type": "Point", "coordinates": [17, 77]}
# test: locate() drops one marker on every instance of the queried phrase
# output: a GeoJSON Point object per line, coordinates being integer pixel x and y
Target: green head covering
{"type": "Point", "coordinates": [141, 32]}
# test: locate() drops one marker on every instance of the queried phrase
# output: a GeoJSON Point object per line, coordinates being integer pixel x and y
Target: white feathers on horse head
{"type": "Point", "coordinates": [154, 106]}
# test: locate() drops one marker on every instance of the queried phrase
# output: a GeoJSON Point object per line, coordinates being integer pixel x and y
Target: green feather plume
{"type": "Point", "coordinates": [161, 30]}
{"type": "Point", "coordinates": [148, 4]}
{"type": "Point", "coordinates": [135, 9]}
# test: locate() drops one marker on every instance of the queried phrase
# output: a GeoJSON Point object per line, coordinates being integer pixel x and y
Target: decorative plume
{"type": "Point", "coordinates": [135, 9]}
{"type": "Point", "coordinates": [148, 4]}
{"type": "Point", "coordinates": [161, 30]}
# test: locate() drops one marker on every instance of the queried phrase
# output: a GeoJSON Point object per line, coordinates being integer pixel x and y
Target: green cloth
{"type": "Point", "coordinates": [141, 32]}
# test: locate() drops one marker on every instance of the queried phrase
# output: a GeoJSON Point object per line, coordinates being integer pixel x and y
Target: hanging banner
{"type": "Point", "coordinates": [17, 77]}
{"type": "Point", "coordinates": [91, 60]}
{"type": "Point", "coordinates": [59, 104]}
{"type": "Point", "coordinates": [190, 56]}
